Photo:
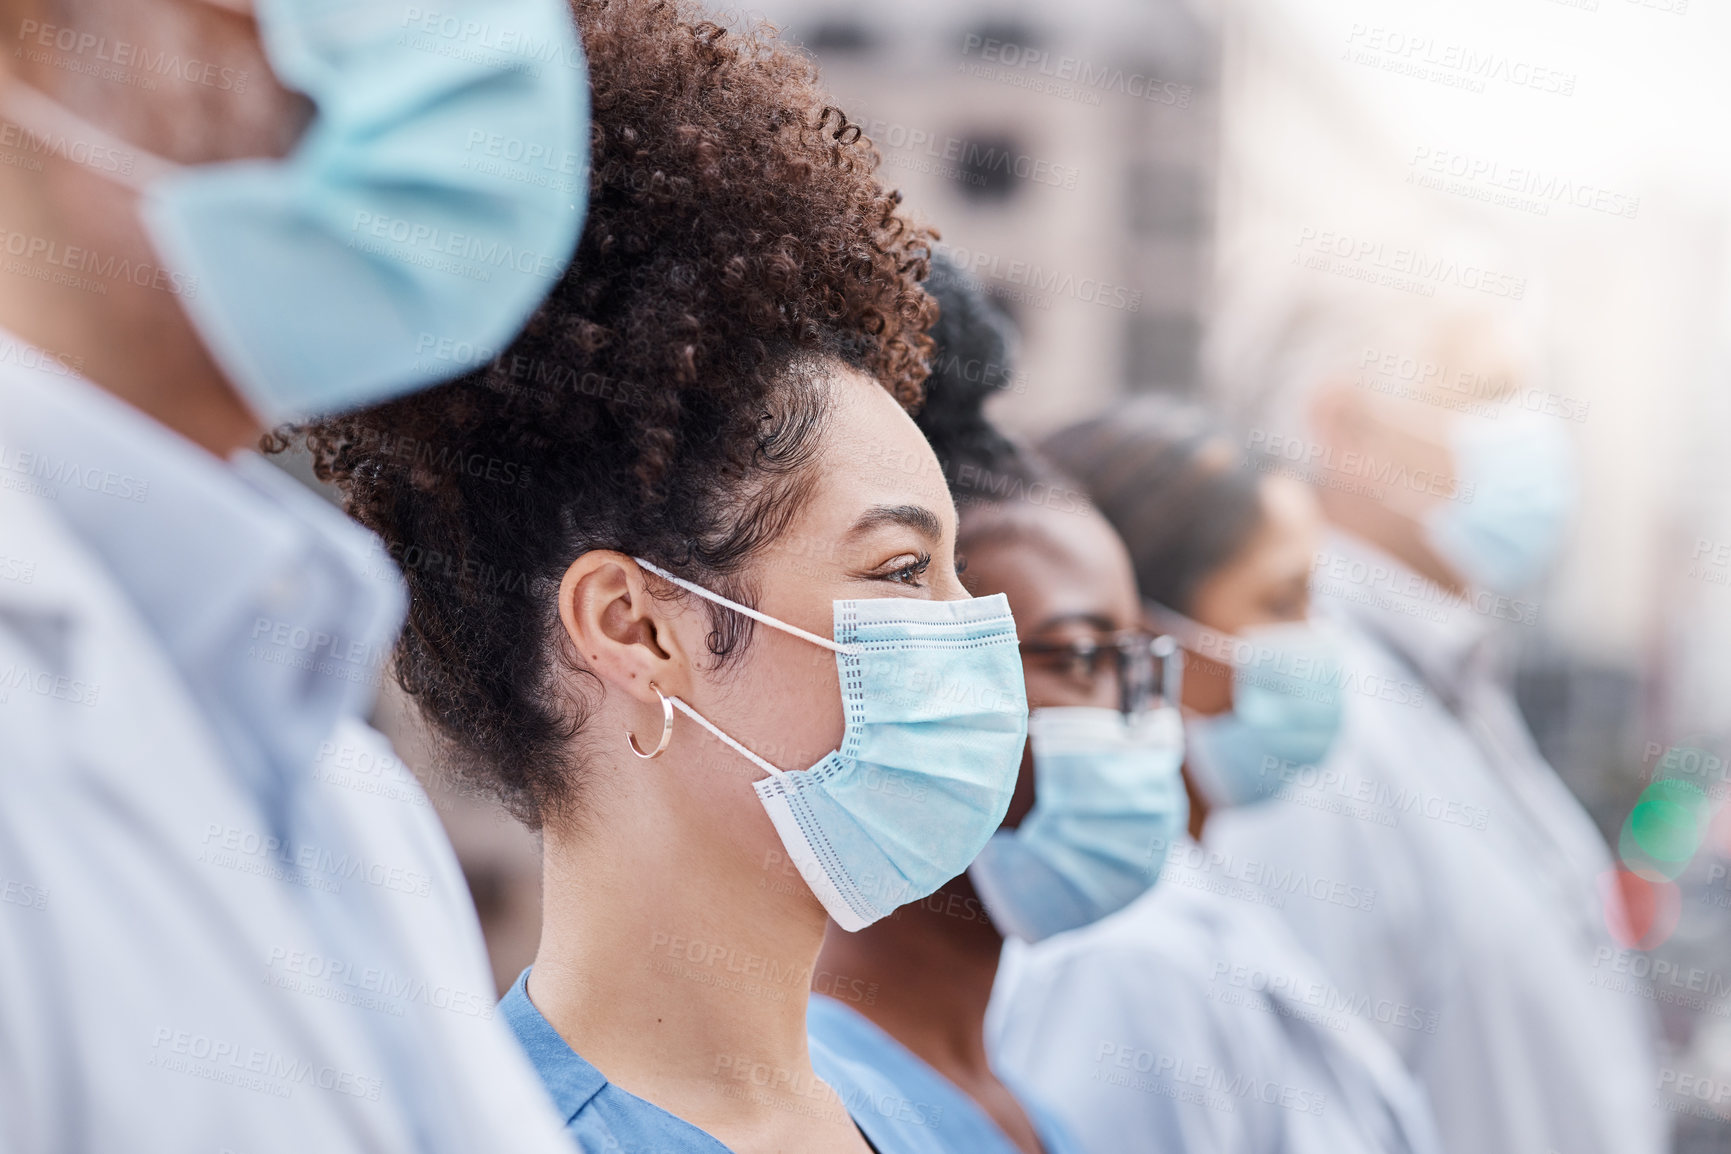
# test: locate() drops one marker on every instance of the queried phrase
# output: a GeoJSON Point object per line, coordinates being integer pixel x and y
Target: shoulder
{"type": "Point", "coordinates": [901, 1115]}
{"type": "Point", "coordinates": [599, 1116]}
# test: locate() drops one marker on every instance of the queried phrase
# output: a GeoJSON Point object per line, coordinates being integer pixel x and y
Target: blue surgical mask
{"type": "Point", "coordinates": [1108, 802]}
{"type": "Point", "coordinates": [398, 243]}
{"type": "Point", "coordinates": [935, 718]}
{"type": "Point", "coordinates": [1286, 705]}
{"type": "Point", "coordinates": [1520, 473]}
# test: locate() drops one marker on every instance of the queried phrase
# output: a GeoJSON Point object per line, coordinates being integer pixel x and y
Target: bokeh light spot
{"type": "Point", "coordinates": [1641, 913]}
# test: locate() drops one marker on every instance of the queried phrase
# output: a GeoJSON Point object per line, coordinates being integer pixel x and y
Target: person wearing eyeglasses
{"type": "Point", "coordinates": [1098, 799]}
{"type": "Point", "coordinates": [1193, 1020]}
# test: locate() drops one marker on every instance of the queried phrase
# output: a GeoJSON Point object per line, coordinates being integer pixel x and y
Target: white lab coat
{"type": "Point", "coordinates": [1190, 1021]}
{"type": "Point", "coordinates": [167, 982]}
{"type": "Point", "coordinates": [1488, 916]}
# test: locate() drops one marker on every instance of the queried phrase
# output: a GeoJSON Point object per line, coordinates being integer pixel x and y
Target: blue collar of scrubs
{"type": "Point", "coordinates": [600, 1115]}
{"type": "Point", "coordinates": [570, 1080]}
{"type": "Point", "coordinates": [955, 1120]}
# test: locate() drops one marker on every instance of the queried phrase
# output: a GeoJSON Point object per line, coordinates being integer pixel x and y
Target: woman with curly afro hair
{"type": "Point", "coordinates": [632, 541]}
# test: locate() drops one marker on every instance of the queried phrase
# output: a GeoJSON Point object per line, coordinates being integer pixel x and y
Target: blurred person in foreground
{"type": "Point", "coordinates": [1192, 1020]}
{"type": "Point", "coordinates": [1448, 488]}
{"type": "Point", "coordinates": [217, 218]}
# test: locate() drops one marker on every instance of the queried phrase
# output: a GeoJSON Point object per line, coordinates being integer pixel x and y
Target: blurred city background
{"type": "Point", "coordinates": [1137, 180]}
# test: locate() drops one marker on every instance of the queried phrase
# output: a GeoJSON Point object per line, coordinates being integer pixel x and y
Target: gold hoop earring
{"type": "Point", "coordinates": [666, 727]}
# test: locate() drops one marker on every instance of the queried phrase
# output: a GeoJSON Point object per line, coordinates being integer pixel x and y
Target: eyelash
{"type": "Point", "coordinates": [915, 571]}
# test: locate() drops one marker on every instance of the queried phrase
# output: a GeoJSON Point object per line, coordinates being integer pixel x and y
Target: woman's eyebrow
{"type": "Point", "coordinates": [916, 517]}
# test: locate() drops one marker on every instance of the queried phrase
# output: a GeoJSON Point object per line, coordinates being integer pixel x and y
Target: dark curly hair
{"type": "Point", "coordinates": [1173, 483]}
{"type": "Point", "coordinates": [972, 361]}
{"type": "Point", "coordinates": [666, 399]}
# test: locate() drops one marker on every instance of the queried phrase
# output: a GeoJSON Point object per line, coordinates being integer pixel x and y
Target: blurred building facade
{"type": "Point", "coordinates": [1065, 154]}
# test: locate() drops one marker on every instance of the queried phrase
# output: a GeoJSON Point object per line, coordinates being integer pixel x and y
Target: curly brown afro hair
{"type": "Point", "coordinates": [664, 401]}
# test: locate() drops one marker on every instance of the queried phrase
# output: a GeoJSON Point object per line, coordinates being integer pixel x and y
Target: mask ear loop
{"type": "Point", "coordinates": [755, 615]}
{"type": "Point", "coordinates": [44, 118]}
{"type": "Point", "coordinates": [726, 740]}
{"type": "Point", "coordinates": [1228, 649]}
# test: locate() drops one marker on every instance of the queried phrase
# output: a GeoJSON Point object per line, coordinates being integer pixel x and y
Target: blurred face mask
{"type": "Point", "coordinates": [387, 250]}
{"type": "Point", "coordinates": [1521, 473]}
{"type": "Point", "coordinates": [935, 718]}
{"type": "Point", "coordinates": [1108, 802]}
{"type": "Point", "coordinates": [1286, 706]}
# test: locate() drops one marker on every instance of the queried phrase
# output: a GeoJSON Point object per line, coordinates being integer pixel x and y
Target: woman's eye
{"type": "Point", "coordinates": [910, 573]}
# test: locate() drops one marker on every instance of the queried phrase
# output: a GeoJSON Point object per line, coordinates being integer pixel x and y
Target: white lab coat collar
{"type": "Point", "coordinates": [202, 548]}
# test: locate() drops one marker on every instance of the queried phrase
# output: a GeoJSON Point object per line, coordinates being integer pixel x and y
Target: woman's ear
{"type": "Point", "coordinates": [625, 636]}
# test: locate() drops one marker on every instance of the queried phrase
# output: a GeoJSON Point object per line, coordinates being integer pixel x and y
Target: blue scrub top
{"type": "Point", "coordinates": [960, 1124]}
{"type": "Point", "coordinates": [603, 1119]}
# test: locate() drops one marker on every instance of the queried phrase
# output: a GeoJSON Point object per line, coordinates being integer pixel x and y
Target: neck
{"type": "Point", "coordinates": [91, 291]}
{"type": "Point", "coordinates": [1199, 806]}
{"type": "Point", "coordinates": [677, 968]}
{"type": "Point", "coordinates": [933, 964]}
